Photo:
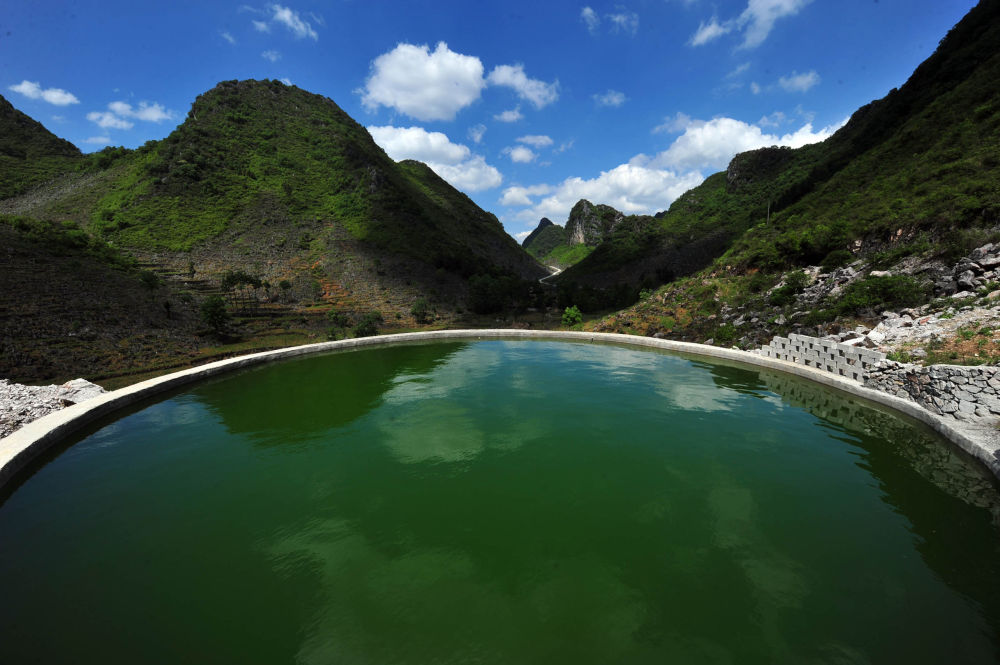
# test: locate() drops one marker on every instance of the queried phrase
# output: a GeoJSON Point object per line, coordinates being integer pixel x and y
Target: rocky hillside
{"type": "Point", "coordinates": [587, 226]}
{"type": "Point", "coordinates": [909, 173]}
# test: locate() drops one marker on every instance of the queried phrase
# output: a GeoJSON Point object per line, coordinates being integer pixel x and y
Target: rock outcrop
{"type": "Point", "coordinates": [19, 404]}
{"type": "Point", "coordinates": [589, 224]}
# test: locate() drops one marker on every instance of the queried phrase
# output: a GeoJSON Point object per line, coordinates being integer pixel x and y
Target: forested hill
{"type": "Point", "coordinates": [255, 154]}
{"type": "Point", "coordinates": [911, 167]}
{"type": "Point", "coordinates": [29, 153]}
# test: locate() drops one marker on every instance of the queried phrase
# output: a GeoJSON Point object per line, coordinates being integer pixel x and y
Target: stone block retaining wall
{"type": "Point", "coordinates": [826, 355]}
{"type": "Point", "coordinates": [962, 393]}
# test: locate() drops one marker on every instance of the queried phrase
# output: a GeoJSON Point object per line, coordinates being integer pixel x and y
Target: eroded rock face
{"type": "Point", "coordinates": [19, 404]}
{"type": "Point", "coordinates": [589, 224]}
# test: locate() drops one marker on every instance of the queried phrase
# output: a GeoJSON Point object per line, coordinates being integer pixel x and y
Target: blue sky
{"type": "Point", "coordinates": [525, 106]}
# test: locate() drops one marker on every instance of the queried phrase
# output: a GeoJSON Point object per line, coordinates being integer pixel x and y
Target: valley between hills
{"type": "Point", "coordinates": [271, 218]}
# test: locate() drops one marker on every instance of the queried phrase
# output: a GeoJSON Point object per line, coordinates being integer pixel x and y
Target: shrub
{"type": "Point", "coordinates": [758, 282]}
{"type": "Point", "coordinates": [421, 311]}
{"type": "Point", "coordinates": [214, 314]}
{"type": "Point", "coordinates": [572, 316]}
{"type": "Point", "coordinates": [794, 283]}
{"type": "Point", "coordinates": [338, 323]}
{"type": "Point", "coordinates": [877, 293]}
{"type": "Point", "coordinates": [725, 334]}
{"type": "Point", "coordinates": [368, 325]}
{"type": "Point", "coordinates": [149, 279]}
{"type": "Point", "coordinates": [836, 259]}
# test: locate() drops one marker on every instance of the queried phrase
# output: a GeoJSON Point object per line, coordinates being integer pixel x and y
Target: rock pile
{"type": "Point", "coordinates": [19, 404]}
{"type": "Point", "coordinates": [977, 270]}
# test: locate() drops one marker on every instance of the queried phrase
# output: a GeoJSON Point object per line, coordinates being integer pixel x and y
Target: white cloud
{"type": "Point", "coordinates": [98, 140]}
{"type": "Point", "coordinates": [755, 88]}
{"type": "Point", "coordinates": [796, 82]}
{"type": "Point", "coordinates": [120, 108]}
{"type": "Point", "coordinates": [473, 175]}
{"type": "Point", "coordinates": [477, 132]}
{"type": "Point", "coordinates": [739, 70]}
{"type": "Point", "coordinates": [710, 145]}
{"type": "Point", "coordinates": [146, 112]}
{"type": "Point", "coordinates": [423, 84]}
{"type": "Point", "coordinates": [521, 196]}
{"type": "Point", "coordinates": [511, 115]}
{"type": "Point", "coordinates": [624, 21]}
{"type": "Point", "coordinates": [291, 20]}
{"type": "Point", "coordinates": [228, 37]}
{"type": "Point", "coordinates": [452, 161]}
{"type": "Point", "coordinates": [286, 80]}
{"type": "Point", "coordinates": [118, 112]}
{"type": "Point", "coordinates": [610, 98]}
{"type": "Point", "coordinates": [538, 92]}
{"type": "Point", "coordinates": [522, 235]}
{"type": "Point", "coordinates": [418, 143]}
{"type": "Point", "coordinates": [590, 19]}
{"type": "Point", "coordinates": [673, 125]}
{"type": "Point", "coordinates": [520, 154]}
{"type": "Point", "coordinates": [108, 120]}
{"type": "Point", "coordinates": [536, 140]}
{"type": "Point", "coordinates": [706, 32]}
{"type": "Point", "coordinates": [776, 119]}
{"type": "Point", "coordinates": [755, 22]}
{"type": "Point", "coordinates": [260, 26]}
{"type": "Point", "coordinates": [56, 96]}
{"type": "Point", "coordinates": [152, 113]}
{"type": "Point", "coordinates": [271, 55]}
{"type": "Point", "coordinates": [758, 18]}
{"type": "Point", "coordinates": [631, 188]}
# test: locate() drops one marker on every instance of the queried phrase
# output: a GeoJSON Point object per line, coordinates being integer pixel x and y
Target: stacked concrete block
{"type": "Point", "coordinates": [823, 354]}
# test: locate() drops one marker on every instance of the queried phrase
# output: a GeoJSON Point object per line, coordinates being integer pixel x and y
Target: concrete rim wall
{"type": "Point", "coordinates": [26, 444]}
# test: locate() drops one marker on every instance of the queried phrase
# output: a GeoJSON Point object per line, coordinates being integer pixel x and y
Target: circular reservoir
{"type": "Point", "coordinates": [503, 502]}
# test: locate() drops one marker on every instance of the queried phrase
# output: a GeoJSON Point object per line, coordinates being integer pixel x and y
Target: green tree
{"type": "Point", "coordinates": [214, 314]}
{"type": "Point", "coordinates": [338, 323]}
{"type": "Point", "coordinates": [242, 289]}
{"type": "Point", "coordinates": [572, 316]}
{"type": "Point", "coordinates": [368, 325]}
{"type": "Point", "coordinates": [421, 311]}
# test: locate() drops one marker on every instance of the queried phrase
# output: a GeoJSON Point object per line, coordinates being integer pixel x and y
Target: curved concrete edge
{"type": "Point", "coordinates": [28, 443]}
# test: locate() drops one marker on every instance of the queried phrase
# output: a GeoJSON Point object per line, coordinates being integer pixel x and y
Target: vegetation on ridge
{"type": "Point", "coordinates": [915, 172]}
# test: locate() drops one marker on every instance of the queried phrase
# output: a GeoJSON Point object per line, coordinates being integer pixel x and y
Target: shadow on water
{"type": "Point", "coordinates": [300, 397]}
{"type": "Point", "coordinates": [278, 404]}
{"type": "Point", "coordinates": [744, 381]}
{"type": "Point", "coordinates": [925, 488]}
{"type": "Point", "coordinates": [939, 489]}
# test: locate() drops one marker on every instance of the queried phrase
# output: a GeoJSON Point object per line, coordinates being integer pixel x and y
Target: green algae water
{"type": "Point", "coordinates": [503, 502]}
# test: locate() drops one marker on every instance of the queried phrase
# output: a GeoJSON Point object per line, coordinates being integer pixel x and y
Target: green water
{"type": "Point", "coordinates": [502, 502]}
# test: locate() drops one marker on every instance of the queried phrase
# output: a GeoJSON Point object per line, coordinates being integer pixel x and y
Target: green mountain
{"type": "Point", "coordinates": [259, 162]}
{"type": "Point", "coordinates": [29, 153]}
{"type": "Point", "coordinates": [266, 194]}
{"type": "Point", "coordinates": [543, 225]}
{"type": "Point", "coordinates": [907, 172]}
{"type": "Point", "coordinates": [549, 244]}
